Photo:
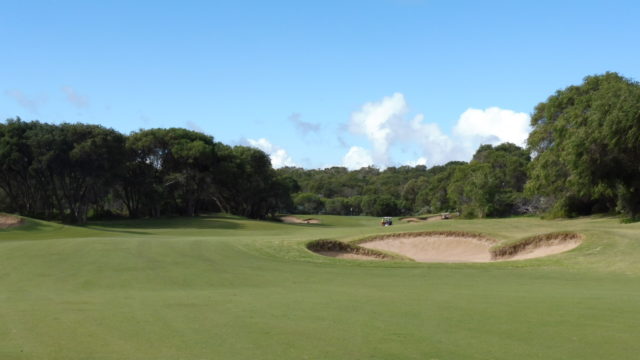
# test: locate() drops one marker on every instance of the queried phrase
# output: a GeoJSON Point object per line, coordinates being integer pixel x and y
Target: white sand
{"type": "Point", "coordinates": [549, 248]}
{"type": "Point", "coordinates": [435, 248]}
{"type": "Point", "coordinates": [452, 249]}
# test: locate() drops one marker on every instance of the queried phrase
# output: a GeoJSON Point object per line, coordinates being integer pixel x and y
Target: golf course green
{"type": "Point", "coordinates": [223, 287]}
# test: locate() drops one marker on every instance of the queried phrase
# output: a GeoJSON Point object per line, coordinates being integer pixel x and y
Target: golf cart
{"type": "Point", "coordinates": [386, 221]}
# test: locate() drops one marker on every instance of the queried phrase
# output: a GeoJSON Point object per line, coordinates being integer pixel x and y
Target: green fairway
{"type": "Point", "coordinates": [222, 287]}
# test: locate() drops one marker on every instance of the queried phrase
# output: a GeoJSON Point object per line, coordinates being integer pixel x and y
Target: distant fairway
{"type": "Point", "coordinates": [229, 288]}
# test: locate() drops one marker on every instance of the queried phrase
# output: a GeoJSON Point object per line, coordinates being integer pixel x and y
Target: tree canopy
{"type": "Point", "coordinates": [70, 171]}
{"type": "Point", "coordinates": [586, 146]}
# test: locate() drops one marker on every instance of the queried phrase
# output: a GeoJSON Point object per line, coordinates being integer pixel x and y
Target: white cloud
{"type": "Point", "coordinates": [74, 98]}
{"type": "Point", "coordinates": [357, 158]}
{"type": "Point", "coordinates": [386, 126]}
{"type": "Point", "coordinates": [192, 125]}
{"type": "Point", "coordinates": [493, 125]}
{"type": "Point", "coordinates": [435, 145]}
{"type": "Point", "coordinates": [278, 155]}
{"type": "Point", "coordinates": [303, 127]}
{"type": "Point", "coordinates": [262, 144]}
{"type": "Point", "coordinates": [280, 158]}
{"type": "Point", "coordinates": [420, 161]}
{"type": "Point", "coordinates": [30, 103]}
{"type": "Point", "coordinates": [375, 121]}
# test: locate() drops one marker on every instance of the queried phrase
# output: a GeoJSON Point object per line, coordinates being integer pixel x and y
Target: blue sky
{"type": "Point", "coordinates": [313, 83]}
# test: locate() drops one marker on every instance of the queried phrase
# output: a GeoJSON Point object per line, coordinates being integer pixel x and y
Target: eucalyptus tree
{"type": "Point", "coordinates": [248, 185]}
{"type": "Point", "coordinates": [83, 162]}
{"type": "Point", "coordinates": [492, 183]}
{"type": "Point", "coordinates": [58, 170]}
{"type": "Point", "coordinates": [24, 193]}
{"type": "Point", "coordinates": [586, 147]}
{"type": "Point", "coordinates": [168, 170]}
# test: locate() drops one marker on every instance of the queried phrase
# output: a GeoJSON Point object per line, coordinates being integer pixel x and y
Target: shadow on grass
{"type": "Point", "coordinates": [306, 225]}
{"type": "Point", "coordinates": [33, 229]}
{"type": "Point", "coordinates": [200, 222]}
{"type": "Point", "coordinates": [102, 228]}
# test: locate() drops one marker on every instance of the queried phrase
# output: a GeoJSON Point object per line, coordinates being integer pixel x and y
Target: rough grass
{"type": "Point", "coordinates": [222, 287]}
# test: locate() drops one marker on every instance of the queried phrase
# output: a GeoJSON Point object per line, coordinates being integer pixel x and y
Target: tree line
{"type": "Point", "coordinates": [491, 184]}
{"type": "Point", "coordinates": [70, 171]}
{"type": "Point", "coordinates": [582, 157]}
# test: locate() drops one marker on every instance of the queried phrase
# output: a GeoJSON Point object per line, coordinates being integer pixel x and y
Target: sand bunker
{"type": "Point", "coordinates": [297, 220]}
{"type": "Point", "coordinates": [537, 246]}
{"type": "Point", "coordinates": [457, 247]}
{"type": "Point", "coordinates": [545, 250]}
{"type": "Point", "coordinates": [421, 219]}
{"type": "Point", "coordinates": [339, 249]}
{"type": "Point", "coordinates": [7, 221]}
{"type": "Point", "coordinates": [435, 248]}
{"type": "Point", "coordinates": [451, 247]}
